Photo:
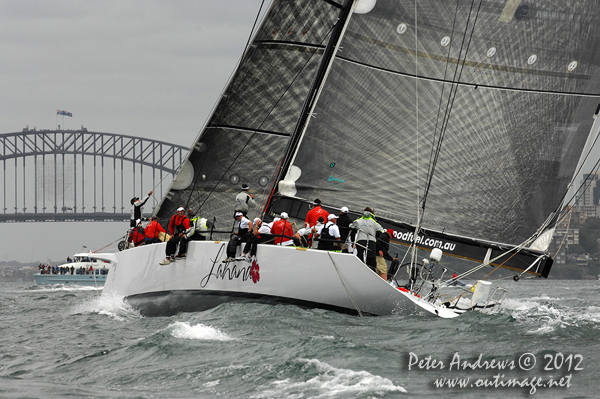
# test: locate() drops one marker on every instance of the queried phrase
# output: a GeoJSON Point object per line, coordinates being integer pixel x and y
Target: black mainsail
{"type": "Point", "coordinates": [247, 134]}
{"type": "Point", "coordinates": [478, 109]}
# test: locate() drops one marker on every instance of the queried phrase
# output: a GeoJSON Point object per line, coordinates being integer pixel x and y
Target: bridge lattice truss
{"type": "Point", "coordinates": [71, 175]}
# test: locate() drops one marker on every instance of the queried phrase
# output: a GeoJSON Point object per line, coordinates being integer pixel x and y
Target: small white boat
{"type": "Point", "coordinates": [85, 269]}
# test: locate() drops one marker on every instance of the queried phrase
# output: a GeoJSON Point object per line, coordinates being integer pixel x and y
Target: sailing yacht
{"type": "Point", "coordinates": [463, 123]}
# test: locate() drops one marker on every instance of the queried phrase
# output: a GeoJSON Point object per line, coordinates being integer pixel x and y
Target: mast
{"type": "Point", "coordinates": [328, 57]}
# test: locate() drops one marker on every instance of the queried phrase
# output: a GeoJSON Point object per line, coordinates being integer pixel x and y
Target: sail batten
{"type": "Point", "coordinates": [470, 84]}
{"type": "Point", "coordinates": [243, 129]}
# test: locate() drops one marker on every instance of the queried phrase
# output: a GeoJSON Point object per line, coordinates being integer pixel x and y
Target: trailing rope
{"type": "Point", "coordinates": [346, 288]}
{"type": "Point", "coordinates": [108, 245]}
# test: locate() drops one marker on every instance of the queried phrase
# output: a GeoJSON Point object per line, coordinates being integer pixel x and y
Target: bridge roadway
{"type": "Point", "coordinates": [67, 217]}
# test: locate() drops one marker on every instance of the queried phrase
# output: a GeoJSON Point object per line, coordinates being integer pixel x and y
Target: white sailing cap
{"type": "Point", "coordinates": [180, 209]}
{"type": "Point", "coordinates": [331, 216]}
{"type": "Point", "coordinates": [344, 209]}
{"type": "Point", "coordinates": [238, 214]}
{"type": "Point", "coordinates": [284, 215]}
{"type": "Point", "coordinates": [256, 220]}
{"type": "Point", "coordinates": [138, 221]}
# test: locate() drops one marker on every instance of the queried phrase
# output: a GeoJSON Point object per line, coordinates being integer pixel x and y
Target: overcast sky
{"type": "Point", "coordinates": [144, 68]}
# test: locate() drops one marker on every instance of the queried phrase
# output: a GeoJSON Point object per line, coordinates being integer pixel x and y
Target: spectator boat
{"type": "Point", "coordinates": [85, 269]}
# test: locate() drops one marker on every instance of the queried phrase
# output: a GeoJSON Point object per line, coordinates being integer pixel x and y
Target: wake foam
{"type": "Point", "coordinates": [519, 305]}
{"type": "Point", "coordinates": [329, 382]}
{"type": "Point", "coordinates": [590, 314]}
{"type": "Point", "coordinates": [67, 287]}
{"type": "Point", "coordinates": [546, 315]}
{"type": "Point", "coordinates": [184, 330]}
{"type": "Point", "coordinates": [110, 305]}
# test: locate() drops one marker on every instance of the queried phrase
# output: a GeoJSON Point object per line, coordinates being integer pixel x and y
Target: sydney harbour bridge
{"type": "Point", "coordinates": [78, 175]}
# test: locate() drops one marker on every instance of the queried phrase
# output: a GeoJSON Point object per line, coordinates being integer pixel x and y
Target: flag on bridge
{"type": "Point", "coordinates": [64, 113]}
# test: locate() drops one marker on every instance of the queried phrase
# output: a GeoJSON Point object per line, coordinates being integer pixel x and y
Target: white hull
{"type": "Point", "coordinates": [309, 278]}
{"type": "Point", "coordinates": [76, 279]}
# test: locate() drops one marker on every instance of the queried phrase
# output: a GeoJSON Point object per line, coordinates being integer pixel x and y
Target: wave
{"type": "Point", "coordinates": [184, 330]}
{"type": "Point", "coordinates": [327, 381]}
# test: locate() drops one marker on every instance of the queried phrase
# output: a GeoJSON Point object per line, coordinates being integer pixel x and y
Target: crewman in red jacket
{"type": "Point", "coordinates": [283, 231]}
{"type": "Point", "coordinates": [153, 229]}
{"type": "Point", "coordinates": [177, 226]}
{"type": "Point", "coordinates": [313, 215]}
{"type": "Point", "coordinates": [136, 235]}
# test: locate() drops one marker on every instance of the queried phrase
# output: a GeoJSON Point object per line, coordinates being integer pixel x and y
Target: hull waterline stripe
{"type": "Point", "coordinates": [139, 300]}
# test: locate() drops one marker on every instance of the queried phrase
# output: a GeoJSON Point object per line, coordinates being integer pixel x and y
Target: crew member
{"type": "Point", "coordinates": [154, 230]}
{"type": "Point", "coordinates": [343, 224]}
{"type": "Point", "coordinates": [198, 228]}
{"type": "Point", "coordinates": [328, 234]}
{"type": "Point", "coordinates": [382, 247]}
{"type": "Point", "coordinates": [177, 226]}
{"type": "Point", "coordinates": [283, 229]}
{"type": "Point", "coordinates": [366, 230]}
{"type": "Point", "coordinates": [313, 214]}
{"type": "Point", "coordinates": [136, 209]}
{"type": "Point", "coordinates": [137, 234]}
{"type": "Point", "coordinates": [244, 200]}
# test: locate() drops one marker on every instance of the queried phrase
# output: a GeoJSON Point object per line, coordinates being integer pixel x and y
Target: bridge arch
{"type": "Point", "coordinates": [63, 174]}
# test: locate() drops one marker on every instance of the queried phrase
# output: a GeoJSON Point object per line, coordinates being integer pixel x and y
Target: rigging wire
{"type": "Point", "coordinates": [443, 85]}
{"type": "Point", "coordinates": [453, 91]}
{"type": "Point", "coordinates": [413, 261]}
{"type": "Point", "coordinates": [436, 149]}
{"type": "Point", "coordinates": [285, 153]}
{"type": "Point", "coordinates": [254, 26]}
{"type": "Point", "coordinates": [329, 55]}
{"type": "Point", "coordinates": [570, 215]}
{"type": "Point", "coordinates": [559, 211]}
{"type": "Point", "coordinates": [434, 160]}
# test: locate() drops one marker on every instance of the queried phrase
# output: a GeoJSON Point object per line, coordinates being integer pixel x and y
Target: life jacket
{"type": "Point", "coordinates": [153, 229]}
{"type": "Point", "coordinates": [137, 236]}
{"type": "Point", "coordinates": [284, 230]}
{"type": "Point", "coordinates": [179, 225]}
{"type": "Point", "coordinates": [199, 225]}
{"type": "Point", "coordinates": [326, 239]}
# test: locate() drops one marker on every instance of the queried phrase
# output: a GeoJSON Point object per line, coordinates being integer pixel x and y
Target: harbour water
{"type": "Point", "coordinates": [71, 342]}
